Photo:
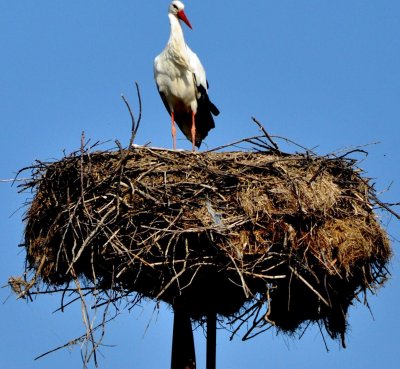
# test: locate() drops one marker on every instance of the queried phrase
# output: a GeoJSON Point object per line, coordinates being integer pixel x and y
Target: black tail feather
{"type": "Point", "coordinates": [214, 110]}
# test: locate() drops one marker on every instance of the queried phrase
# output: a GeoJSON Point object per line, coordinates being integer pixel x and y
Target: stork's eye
{"type": "Point", "coordinates": [175, 6]}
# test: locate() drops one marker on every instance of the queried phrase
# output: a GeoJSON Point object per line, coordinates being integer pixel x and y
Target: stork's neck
{"type": "Point", "coordinates": [176, 38]}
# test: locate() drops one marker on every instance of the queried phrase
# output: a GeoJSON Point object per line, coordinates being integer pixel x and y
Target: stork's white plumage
{"type": "Point", "coordinates": [182, 83]}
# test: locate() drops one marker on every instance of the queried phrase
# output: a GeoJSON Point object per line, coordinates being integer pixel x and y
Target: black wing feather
{"type": "Point", "coordinates": [204, 117]}
{"type": "Point", "coordinates": [164, 100]}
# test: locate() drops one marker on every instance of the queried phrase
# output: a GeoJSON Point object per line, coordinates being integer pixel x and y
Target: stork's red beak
{"type": "Point", "coordinates": [181, 15]}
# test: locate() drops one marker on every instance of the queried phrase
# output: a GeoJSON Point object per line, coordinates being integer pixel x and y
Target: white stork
{"type": "Point", "coordinates": [182, 84]}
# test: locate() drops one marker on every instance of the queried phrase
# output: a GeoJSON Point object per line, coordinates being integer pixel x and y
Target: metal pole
{"type": "Point", "coordinates": [211, 340]}
{"type": "Point", "coordinates": [183, 353]}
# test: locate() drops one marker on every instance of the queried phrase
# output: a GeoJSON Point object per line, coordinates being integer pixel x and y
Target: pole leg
{"type": "Point", "coordinates": [183, 351]}
{"type": "Point", "coordinates": [211, 340]}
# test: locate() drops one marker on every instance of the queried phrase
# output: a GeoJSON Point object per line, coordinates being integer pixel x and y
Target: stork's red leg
{"type": "Point", "coordinates": [173, 129]}
{"type": "Point", "coordinates": [193, 132]}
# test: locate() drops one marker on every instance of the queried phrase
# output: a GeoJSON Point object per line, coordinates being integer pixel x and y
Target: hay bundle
{"type": "Point", "coordinates": [262, 238]}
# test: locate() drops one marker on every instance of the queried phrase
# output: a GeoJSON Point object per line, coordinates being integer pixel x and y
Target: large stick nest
{"type": "Point", "coordinates": [263, 238]}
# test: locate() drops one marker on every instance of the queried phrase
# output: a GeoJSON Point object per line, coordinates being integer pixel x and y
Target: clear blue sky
{"type": "Point", "coordinates": [323, 73]}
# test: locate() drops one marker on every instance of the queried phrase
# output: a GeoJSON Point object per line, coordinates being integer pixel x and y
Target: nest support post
{"type": "Point", "coordinates": [211, 340]}
{"type": "Point", "coordinates": [183, 352]}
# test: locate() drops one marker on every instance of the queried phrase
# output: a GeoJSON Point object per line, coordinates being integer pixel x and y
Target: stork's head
{"type": "Point", "coordinates": [176, 9]}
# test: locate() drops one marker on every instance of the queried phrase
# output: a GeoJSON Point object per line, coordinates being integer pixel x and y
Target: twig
{"type": "Point", "coordinates": [14, 180]}
{"type": "Point", "coordinates": [266, 134]}
{"type": "Point", "coordinates": [133, 122]}
{"type": "Point", "coordinates": [86, 319]}
{"type": "Point", "coordinates": [135, 126]}
{"type": "Point", "coordinates": [385, 206]}
{"type": "Point", "coordinates": [243, 140]}
{"type": "Point", "coordinates": [306, 149]}
{"type": "Point", "coordinates": [33, 281]}
{"type": "Point", "coordinates": [309, 286]}
{"type": "Point", "coordinates": [140, 110]}
{"type": "Point", "coordinates": [75, 341]}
